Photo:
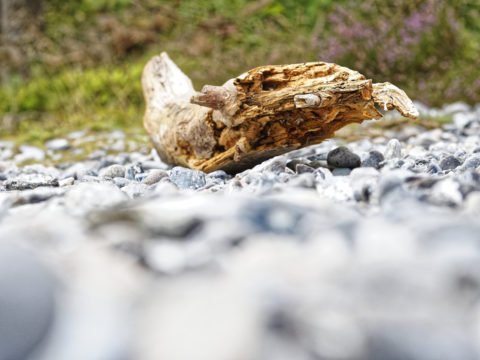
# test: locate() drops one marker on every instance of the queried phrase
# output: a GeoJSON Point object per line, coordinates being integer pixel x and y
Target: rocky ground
{"type": "Point", "coordinates": [370, 251]}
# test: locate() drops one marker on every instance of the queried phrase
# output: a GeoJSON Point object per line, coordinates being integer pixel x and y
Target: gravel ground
{"type": "Point", "coordinates": [368, 251]}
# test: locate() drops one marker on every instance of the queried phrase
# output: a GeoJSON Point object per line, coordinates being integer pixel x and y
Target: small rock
{"type": "Point", "coordinates": [374, 159]}
{"type": "Point", "coordinates": [446, 192]}
{"type": "Point", "coordinates": [302, 169]}
{"type": "Point", "coordinates": [133, 170]}
{"type": "Point", "coordinates": [342, 157]}
{"type": "Point", "coordinates": [86, 197]}
{"type": "Point", "coordinates": [292, 164]}
{"type": "Point", "coordinates": [28, 153]}
{"type": "Point", "coordinates": [450, 163]}
{"type": "Point", "coordinates": [30, 181]}
{"type": "Point", "coordinates": [113, 171]}
{"type": "Point", "coordinates": [67, 182]}
{"type": "Point", "coordinates": [218, 174]}
{"type": "Point", "coordinates": [186, 178]}
{"type": "Point", "coordinates": [57, 144]}
{"type": "Point", "coordinates": [472, 162]}
{"type": "Point", "coordinates": [140, 177]}
{"type": "Point", "coordinates": [155, 176]}
{"type": "Point", "coordinates": [394, 149]}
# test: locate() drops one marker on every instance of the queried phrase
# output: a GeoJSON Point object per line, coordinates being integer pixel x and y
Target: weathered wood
{"type": "Point", "coordinates": [262, 113]}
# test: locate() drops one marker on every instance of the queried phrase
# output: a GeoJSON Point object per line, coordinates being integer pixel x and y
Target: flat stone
{"type": "Point", "coordinates": [30, 181]}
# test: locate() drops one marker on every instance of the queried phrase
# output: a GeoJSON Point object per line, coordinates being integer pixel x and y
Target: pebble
{"type": "Point", "coordinates": [342, 157]}
{"type": "Point", "coordinates": [472, 162]}
{"type": "Point", "coordinates": [393, 150]}
{"type": "Point", "coordinates": [113, 171]}
{"type": "Point", "coordinates": [449, 163]}
{"type": "Point", "coordinates": [275, 249]}
{"type": "Point", "coordinates": [186, 178]}
{"type": "Point", "coordinates": [28, 153]}
{"type": "Point", "coordinates": [132, 171]}
{"type": "Point", "coordinates": [57, 144]}
{"type": "Point", "coordinates": [374, 159]}
{"type": "Point", "coordinates": [155, 176]}
{"type": "Point", "coordinates": [29, 181]}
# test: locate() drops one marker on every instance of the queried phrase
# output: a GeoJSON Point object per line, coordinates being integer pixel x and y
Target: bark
{"type": "Point", "coordinates": [262, 113]}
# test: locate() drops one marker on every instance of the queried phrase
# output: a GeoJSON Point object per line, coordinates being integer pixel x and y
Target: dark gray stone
{"type": "Point", "coordinates": [302, 168]}
{"type": "Point", "coordinates": [292, 164]}
{"type": "Point", "coordinates": [450, 163]}
{"type": "Point", "coordinates": [374, 159]}
{"type": "Point", "coordinates": [342, 157]}
{"type": "Point", "coordinates": [187, 179]}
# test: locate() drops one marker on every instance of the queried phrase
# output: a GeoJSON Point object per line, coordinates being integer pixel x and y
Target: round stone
{"type": "Point", "coordinates": [374, 159]}
{"type": "Point", "coordinates": [450, 163]}
{"type": "Point", "coordinates": [342, 157]}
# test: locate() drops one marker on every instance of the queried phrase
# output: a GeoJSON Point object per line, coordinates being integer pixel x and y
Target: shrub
{"type": "Point", "coordinates": [425, 46]}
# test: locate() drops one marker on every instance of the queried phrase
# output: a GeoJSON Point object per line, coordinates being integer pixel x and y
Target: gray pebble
{"type": "Point", "coordinates": [394, 149]}
{"type": "Point", "coordinates": [154, 176]}
{"type": "Point", "coordinates": [374, 159]}
{"type": "Point", "coordinates": [342, 157]}
{"type": "Point", "coordinates": [450, 163]}
{"type": "Point", "coordinates": [28, 152]}
{"type": "Point", "coordinates": [132, 171]}
{"type": "Point", "coordinates": [186, 178]}
{"type": "Point", "coordinates": [113, 171]}
{"type": "Point", "coordinates": [472, 162]}
{"type": "Point", "coordinates": [302, 168]}
{"type": "Point", "coordinates": [219, 174]}
{"type": "Point", "coordinates": [57, 144]}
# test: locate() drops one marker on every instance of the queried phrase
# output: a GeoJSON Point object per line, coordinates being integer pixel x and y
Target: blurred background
{"type": "Point", "coordinates": [69, 65]}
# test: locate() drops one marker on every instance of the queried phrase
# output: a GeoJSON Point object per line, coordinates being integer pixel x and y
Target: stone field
{"type": "Point", "coordinates": [366, 250]}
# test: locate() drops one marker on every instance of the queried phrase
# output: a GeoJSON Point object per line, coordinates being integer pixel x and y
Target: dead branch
{"type": "Point", "coordinates": [262, 113]}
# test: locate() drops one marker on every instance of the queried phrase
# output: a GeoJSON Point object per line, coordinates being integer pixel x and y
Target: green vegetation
{"type": "Point", "coordinates": [81, 66]}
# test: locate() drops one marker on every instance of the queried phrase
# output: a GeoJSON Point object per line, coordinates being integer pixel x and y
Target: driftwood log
{"type": "Point", "coordinates": [262, 113]}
